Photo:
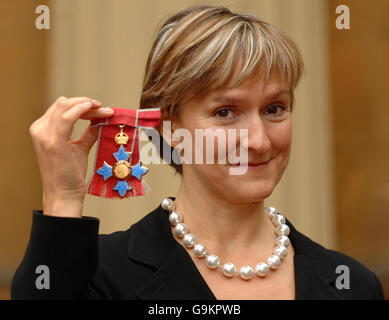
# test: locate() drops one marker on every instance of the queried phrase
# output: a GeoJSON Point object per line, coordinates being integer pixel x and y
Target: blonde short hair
{"type": "Point", "coordinates": [198, 49]}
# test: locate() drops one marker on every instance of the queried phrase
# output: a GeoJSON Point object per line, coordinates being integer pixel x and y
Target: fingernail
{"type": "Point", "coordinates": [88, 103]}
{"type": "Point", "coordinates": [96, 102]}
{"type": "Point", "coordinates": [106, 109]}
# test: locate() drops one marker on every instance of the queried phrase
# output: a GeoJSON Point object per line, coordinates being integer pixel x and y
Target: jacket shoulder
{"type": "Point", "coordinates": [364, 283]}
{"type": "Point", "coordinates": [357, 280]}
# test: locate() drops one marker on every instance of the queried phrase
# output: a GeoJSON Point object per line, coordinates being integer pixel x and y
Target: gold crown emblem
{"type": "Point", "coordinates": [121, 137]}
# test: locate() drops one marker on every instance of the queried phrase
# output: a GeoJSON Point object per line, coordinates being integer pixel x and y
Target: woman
{"type": "Point", "coordinates": [213, 69]}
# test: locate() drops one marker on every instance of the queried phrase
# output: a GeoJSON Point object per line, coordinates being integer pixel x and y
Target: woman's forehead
{"type": "Point", "coordinates": [274, 86]}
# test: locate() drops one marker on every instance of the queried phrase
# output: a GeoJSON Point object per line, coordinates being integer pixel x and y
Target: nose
{"type": "Point", "coordinates": [257, 139]}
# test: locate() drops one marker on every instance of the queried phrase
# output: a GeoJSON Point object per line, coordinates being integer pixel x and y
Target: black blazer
{"type": "Point", "coordinates": [146, 262]}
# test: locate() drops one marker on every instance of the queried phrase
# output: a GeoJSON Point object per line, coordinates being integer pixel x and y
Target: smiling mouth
{"type": "Point", "coordinates": [250, 164]}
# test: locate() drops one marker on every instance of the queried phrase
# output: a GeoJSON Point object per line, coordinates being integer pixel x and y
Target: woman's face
{"type": "Point", "coordinates": [261, 108]}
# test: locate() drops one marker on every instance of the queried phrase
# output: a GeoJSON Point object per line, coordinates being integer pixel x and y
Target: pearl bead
{"type": "Point", "coordinates": [180, 230]}
{"type": "Point", "coordinates": [167, 204]}
{"type": "Point", "coordinates": [282, 229]}
{"type": "Point", "coordinates": [278, 219]}
{"type": "Point", "coordinates": [212, 261]}
{"type": "Point", "coordinates": [281, 251]}
{"type": "Point", "coordinates": [274, 262]}
{"type": "Point", "coordinates": [189, 240]}
{"type": "Point", "coordinates": [199, 250]}
{"type": "Point", "coordinates": [229, 269]}
{"type": "Point", "coordinates": [262, 269]}
{"type": "Point", "coordinates": [175, 218]}
{"type": "Point", "coordinates": [282, 241]}
{"type": "Point", "coordinates": [246, 272]}
{"type": "Point", "coordinates": [270, 212]}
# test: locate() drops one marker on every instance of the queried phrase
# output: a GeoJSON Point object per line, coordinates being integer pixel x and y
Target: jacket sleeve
{"type": "Point", "coordinates": [60, 259]}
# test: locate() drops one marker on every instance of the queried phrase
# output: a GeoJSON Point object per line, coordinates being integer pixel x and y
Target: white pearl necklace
{"type": "Point", "coordinates": [229, 269]}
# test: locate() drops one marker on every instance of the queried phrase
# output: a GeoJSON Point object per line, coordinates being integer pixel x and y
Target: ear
{"type": "Point", "coordinates": [166, 130]}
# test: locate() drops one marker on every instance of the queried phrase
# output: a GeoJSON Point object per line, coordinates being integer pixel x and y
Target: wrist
{"type": "Point", "coordinates": [71, 208]}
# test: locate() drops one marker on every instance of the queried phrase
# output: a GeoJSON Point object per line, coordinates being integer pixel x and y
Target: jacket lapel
{"type": "Point", "coordinates": [315, 275]}
{"type": "Point", "coordinates": [309, 284]}
{"type": "Point", "coordinates": [176, 276]}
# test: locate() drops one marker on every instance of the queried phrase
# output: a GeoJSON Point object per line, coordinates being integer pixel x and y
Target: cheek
{"type": "Point", "coordinates": [281, 145]}
{"type": "Point", "coordinates": [281, 138]}
{"type": "Point", "coordinates": [209, 145]}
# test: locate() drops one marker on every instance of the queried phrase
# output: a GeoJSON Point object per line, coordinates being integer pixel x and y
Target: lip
{"type": "Point", "coordinates": [251, 164]}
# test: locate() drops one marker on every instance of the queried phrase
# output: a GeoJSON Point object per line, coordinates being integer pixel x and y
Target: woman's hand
{"type": "Point", "coordinates": [63, 162]}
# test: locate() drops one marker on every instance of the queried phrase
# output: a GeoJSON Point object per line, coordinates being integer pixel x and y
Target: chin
{"type": "Point", "coordinates": [237, 189]}
{"type": "Point", "coordinates": [251, 192]}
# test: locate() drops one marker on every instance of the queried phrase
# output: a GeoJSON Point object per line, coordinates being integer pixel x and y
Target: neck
{"type": "Point", "coordinates": [223, 225]}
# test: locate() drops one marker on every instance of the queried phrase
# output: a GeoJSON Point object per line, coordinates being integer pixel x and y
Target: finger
{"type": "Point", "coordinates": [65, 104]}
{"type": "Point", "coordinates": [63, 125]}
{"type": "Point", "coordinates": [49, 111]}
{"type": "Point", "coordinates": [97, 113]}
{"type": "Point", "coordinates": [62, 105]}
{"type": "Point", "coordinates": [87, 138]}
{"type": "Point", "coordinates": [45, 118]}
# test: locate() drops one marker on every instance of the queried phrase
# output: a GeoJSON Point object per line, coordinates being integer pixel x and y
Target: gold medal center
{"type": "Point", "coordinates": [122, 170]}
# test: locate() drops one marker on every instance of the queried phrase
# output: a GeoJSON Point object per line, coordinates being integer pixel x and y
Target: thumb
{"type": "Point", "coordinates": [88, 138]}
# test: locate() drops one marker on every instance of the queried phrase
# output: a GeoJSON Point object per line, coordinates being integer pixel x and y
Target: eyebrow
{"type": "Point", "coordinates": [232, 99]}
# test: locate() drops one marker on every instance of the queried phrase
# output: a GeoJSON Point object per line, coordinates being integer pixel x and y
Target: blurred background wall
{"type": "Point", "coordinates": [336, 187]}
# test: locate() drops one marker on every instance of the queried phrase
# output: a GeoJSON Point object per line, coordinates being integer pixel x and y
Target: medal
{"type": "Point", "coordinates": [122, 169]}
{"type": "Point", "coordinates": [118, 147]}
